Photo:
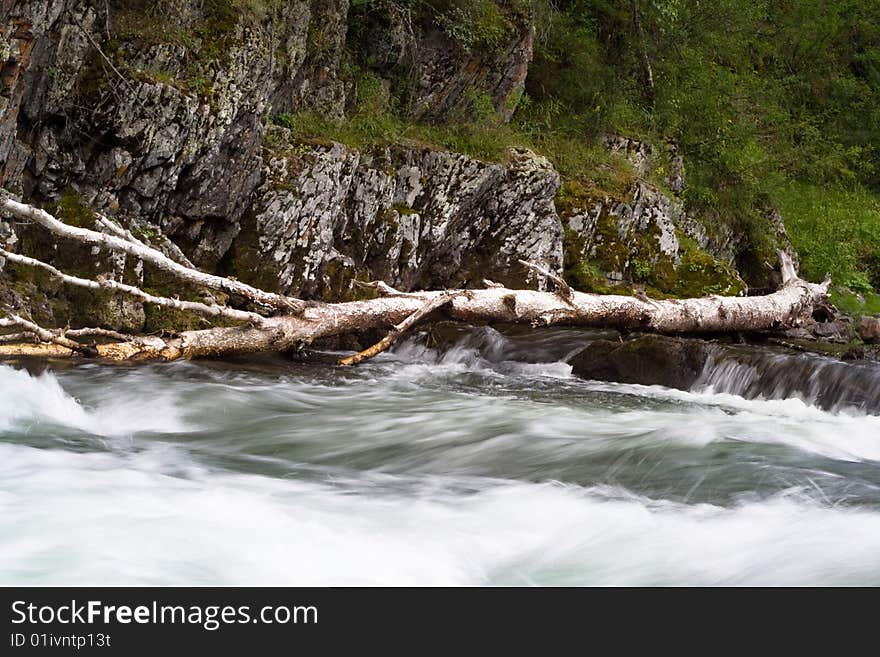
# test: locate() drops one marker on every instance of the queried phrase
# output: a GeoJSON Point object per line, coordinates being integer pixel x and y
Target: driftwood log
{"type": "Point", "coordinates": [295, 323]}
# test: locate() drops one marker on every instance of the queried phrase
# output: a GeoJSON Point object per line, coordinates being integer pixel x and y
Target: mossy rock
{"type": "Point", "coordinates": [642, 264]}
{"type": "Point", "coordinates": [158, 319]}
{"type": "Point", "coordinates": [698, 274]}
{"type": "Point", "coordinates": [74, 212]}
{"type": "Point", "coordinates": [338, 285]}
{"type": "Point", "coordinates": [646, 360]}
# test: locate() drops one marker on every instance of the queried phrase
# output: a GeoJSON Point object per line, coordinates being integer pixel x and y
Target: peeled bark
{"type": "Point", "coordinates": [791, 304]}
{"type": "Point", "coordinates": [782, 309]}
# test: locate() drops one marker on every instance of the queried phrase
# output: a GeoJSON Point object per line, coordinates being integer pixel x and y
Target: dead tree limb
{"type": "Point", "coordinates": [149, 255]}
{"type": "Point", "coordinates": [380, 287]}
{"type": "Point", "coordinates": [103, 283]}
{"type": "Point", "coordinates": [45, 335]}
{"type": "Point", "coordinates": [98, 333]}
{"type": "Point", "coordinates": [18, 337]}
{"type": "Point", "coordinates": [787, 307]}
{"type": "Point", "coordinates": [562, 288]}
{"type": "Point", "coordinates": [115, 229]}
{"type": "Point", "coordinates": [36, 350]}
{"type": "Point", "coordinates": [57, 342]}
{"type": "Point", "coordinates": [394, 335]}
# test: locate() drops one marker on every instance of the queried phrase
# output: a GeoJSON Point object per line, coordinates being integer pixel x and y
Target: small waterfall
{"type": "Point", "coordinates": [823, 382]}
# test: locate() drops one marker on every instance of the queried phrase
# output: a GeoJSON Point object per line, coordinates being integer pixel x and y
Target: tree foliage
{"type": "Point", "coordinates": [751, 89]}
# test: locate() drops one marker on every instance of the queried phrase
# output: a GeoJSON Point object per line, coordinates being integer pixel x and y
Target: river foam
{"type": "Point", "coordinates": [96, 519]}
{"type": "Point", "coordinates": [40, 401]}
{"type": "Point", "coordinates": [468, 466]}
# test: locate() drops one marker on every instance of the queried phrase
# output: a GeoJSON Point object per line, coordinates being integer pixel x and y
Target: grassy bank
{"type": "Point", "coordinates": [836, 231]}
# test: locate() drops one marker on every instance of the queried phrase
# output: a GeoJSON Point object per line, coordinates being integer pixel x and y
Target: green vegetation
{"type": "Point", "coordinates": [836, 231]}
{"type": "Point", "coordinates": [762, 98]}
{"type": "Point", "coordinates": [475, 24]}
{"type": "Point", "coordinates": [376, 119]}
{"type": "Point", "coordinates": [772, 104]}
{"type": "Point", "coordinates": [73, 211]}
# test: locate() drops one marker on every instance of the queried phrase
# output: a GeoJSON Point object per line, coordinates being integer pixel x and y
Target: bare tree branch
{"type": "Point", "coordinates": [103, 283]}
{"type": "Point", "coordinates": [380, 286]}
{"type": "Point", "coordinates": [394, 335]}
{"type": "Point", "coordinates": [19, 337]}
{"type": "Point", "coordinates": [98, 333]}
{"type": "Point", "coordinates": [789, 306]}
{"type": "Point", "coordinates": [151, 256]}
{"type": "Point", "coordinates": [44, 335]}
{"type": "Point", "coordinates": [113, 228]}
{"type": "Point", "coordinates": [563, 290]}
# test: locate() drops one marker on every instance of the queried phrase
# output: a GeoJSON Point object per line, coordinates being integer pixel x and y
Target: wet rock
{"type": "Point", "coordinates": [857, 352]}
{"type": "Point", "coordinates": [646, 360]}
{"type": "Point", "coordinates": [750, 371]}
{"type": "Point", "coordinates": [839, 330]}
{"type": "Point", "coordinates": [868, 329]}
{"type": "Point", "coordinates": [799, 333]}
{"type": "Point", "coordinates": [850, 381]}
{"type": "Point", "coordinates": [827, 325]}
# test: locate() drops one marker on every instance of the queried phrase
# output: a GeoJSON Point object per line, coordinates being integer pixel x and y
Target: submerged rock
{"type": "Point", "coordinates": [647, 360]}
{"type": "Point", "coordinates": [851, 380]}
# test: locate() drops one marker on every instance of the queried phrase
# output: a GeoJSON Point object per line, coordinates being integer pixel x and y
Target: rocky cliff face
{"type": "Point", "coordinates": [161, 119]}
{"type": "Point", "coordinates": [146, 126]}
{"type": "Point", "coordinates": [645, 236]}
{"type": "Point", "coordinates": [452, 61]}
{"type": "Point", "coordinates": [414, 217]}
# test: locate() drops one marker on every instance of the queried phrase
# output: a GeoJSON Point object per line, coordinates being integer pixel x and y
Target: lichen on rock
{"type": "Point", "coordinates": [645, 238]}
{"type": "Point", "coordinates": [412, 216]}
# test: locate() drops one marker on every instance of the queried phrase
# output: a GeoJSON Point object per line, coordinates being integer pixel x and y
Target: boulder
{"type": "Point", "coordinates": [414, 217]}
{"type": "Point", "coordinates": [646, 360]}
{"type": "Point", "coordinates": [868, 329]}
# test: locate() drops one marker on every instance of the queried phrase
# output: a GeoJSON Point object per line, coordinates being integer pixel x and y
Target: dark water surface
{"type": "Point", "coordinates": [486, 464]}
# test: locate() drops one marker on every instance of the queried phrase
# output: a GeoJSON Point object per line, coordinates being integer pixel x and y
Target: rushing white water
{"type": "Point", "coordinates": [474, 466]}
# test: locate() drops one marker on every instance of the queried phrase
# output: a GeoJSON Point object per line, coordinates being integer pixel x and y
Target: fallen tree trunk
{"type": "Point", "coordinates": [307, 322]}
{"type": "Point", "coordinates": [707, 315]}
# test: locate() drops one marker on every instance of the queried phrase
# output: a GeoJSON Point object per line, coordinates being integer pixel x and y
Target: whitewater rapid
{"type": "Point", "coordinates": [485, 464]}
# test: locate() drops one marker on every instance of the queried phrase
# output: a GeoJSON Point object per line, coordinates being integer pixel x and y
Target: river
{"type": "Point", "coordinates": [486, 463]}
